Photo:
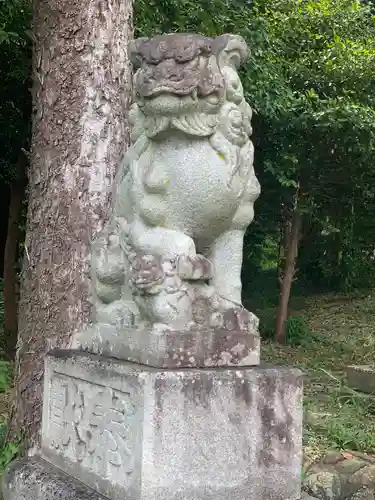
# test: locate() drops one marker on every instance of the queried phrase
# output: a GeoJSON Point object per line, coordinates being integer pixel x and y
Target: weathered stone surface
{"type": "Point", "coordinates": [350, 467]}
{"type": "Point", "coordinates": [333, 457]}
{"type": "Point", "coordinates": [36, 479]}
{"type": "Point", "coordinates": [306, 496]}
{"type": "Point", "coordinates": [324, 484]}
{"type": "Point", "coordinates": [170, 64]}
{"type": "Point", "coordinates": [364, 475]}
{"type": "Point", "coordinates": [149, 434]}
{"type": "Point", "coordinates": [342, 476]}
{"type": "Point", "coordinates": [362, 378]}
{"type": "Point", "coordinates": [167, 348]}
{"type": "Point", "coordinates": [363, 494]}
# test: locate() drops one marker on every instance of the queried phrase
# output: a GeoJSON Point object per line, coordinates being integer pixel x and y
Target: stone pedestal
{"type": "Point", "coordinates": [169, 348]}
{"type": "Point", "coordinates": [140, 433]}
{"type": "Point", "coordinates": [361, 378]}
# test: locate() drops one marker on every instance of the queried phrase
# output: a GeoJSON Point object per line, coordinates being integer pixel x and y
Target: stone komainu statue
{"type": "Point", "coordinates": [184, 195]}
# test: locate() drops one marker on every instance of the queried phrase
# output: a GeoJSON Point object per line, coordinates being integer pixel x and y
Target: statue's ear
{"type": "Point", "coordinates": [234, 51]}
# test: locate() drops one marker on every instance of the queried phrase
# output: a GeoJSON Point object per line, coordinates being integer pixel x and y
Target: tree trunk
{"type": "Point", "coordinates": [283, 246]}
{"type": "Point", "coordinates": [14, 233]}
{"type": "Point", "coordinates": [81, 92]}
{"type": "Point", "coordinates": [288, 275]}
{"type": "Point", "coordinates": [4, 210]}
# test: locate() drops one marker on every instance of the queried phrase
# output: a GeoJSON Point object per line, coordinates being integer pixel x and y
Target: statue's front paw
{"type": "Point", "coordinates": [147, 273]}
{"type": "Point", "coordinates": [239, 318]}
{"type": "Point", "coordinates": [173, 309]}
{"type": "Point", "coordinates": [194, 268]}
{"type": "Point", "coordinates": [107, 293]}
{"type": "Point", "coordinates": [234, 319]}
{"type": "Point", "coordinates": [119, 314]}
{"type": "Point", "coordinates": [107, 261]}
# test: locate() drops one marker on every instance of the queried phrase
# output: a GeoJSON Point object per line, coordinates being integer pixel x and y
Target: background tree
{"type": "Point", "coordinates": [81, 91]}
{"type": "Point", "coordinates": [15, 111]}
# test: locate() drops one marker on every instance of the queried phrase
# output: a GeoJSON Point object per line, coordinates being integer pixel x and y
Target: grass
{"type": "Point", "coordinates": [9, 450]}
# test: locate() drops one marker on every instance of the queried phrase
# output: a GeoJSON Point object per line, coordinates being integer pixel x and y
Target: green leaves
{"type": "Point", "coordinates": [6, 373]}
{"type": "Point", "coordinates": [8, 451]}
{"type": "Point", "coordinates": [15, 71]}
{"type": "Point", "coordinates": [7, 36]}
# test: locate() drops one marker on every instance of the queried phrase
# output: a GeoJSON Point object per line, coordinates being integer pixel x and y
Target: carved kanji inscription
{"type": "Point", "coordinates": [92, 425]}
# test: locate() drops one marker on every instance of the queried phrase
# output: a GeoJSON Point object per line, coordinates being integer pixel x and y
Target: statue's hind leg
{"type": "Point", "coordinates": [226, 258]}
{"type": "Point", "coordinates": [226, 252]}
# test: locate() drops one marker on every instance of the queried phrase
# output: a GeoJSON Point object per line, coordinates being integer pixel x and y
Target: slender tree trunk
{"type": "Point", "coordinates": [288, 275]}
{"type": "Point", "coordinates": [283, 246]}
{"type": "Point", "coordinates": [17, 195]}
{"type": "Point", "coordinates": [280, 250]}
{"type": "Point", "coordinates": [82, 89]}
{"type": "Point", "coordinates": [4, 209]}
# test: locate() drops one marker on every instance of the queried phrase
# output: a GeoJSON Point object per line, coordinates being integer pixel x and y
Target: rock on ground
{"type": "Point", "coordinates": [341, 476]}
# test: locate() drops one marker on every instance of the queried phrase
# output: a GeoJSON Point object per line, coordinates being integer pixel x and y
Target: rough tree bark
{"type": "Point", "coordinates": [82, 89]}
{"type": "Point", "coordinates": [288, 275]}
